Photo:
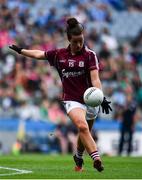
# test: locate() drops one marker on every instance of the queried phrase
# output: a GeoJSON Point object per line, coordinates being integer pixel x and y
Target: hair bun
{"type": "Point", "coordinates": [72, 22]}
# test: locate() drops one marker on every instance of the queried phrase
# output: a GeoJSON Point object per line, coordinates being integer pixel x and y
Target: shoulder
{"type": "Point", "coordinates": [92, 59]}
{"type": "Point", "coordinates": [55, 52]}
{"type": "Point", "coordinates": [91, 54]}
{"type": "Point", "coordinates": [89, 51]}
{"type": "Point", "coordinates": [62, 50]}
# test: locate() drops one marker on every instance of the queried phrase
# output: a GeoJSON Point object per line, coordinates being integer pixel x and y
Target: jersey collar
{"type": "Point", "coordinates": [79, 53]}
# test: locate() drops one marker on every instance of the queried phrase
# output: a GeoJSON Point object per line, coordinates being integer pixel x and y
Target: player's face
{"type": "Point", "coordinates": [76, 43]}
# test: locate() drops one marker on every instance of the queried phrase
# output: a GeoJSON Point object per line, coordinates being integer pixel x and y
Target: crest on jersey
{"type": "Point", "coordinates": [81, 63]}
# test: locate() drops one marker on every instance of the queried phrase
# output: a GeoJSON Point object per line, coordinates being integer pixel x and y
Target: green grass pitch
{"type": "Point", "coordinates": [61, 167]}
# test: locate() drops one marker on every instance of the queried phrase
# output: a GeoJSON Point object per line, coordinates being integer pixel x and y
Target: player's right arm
{"type": "Point", "coordinates": [36, 54]}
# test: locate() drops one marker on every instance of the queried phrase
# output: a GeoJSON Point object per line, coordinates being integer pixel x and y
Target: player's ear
{"type": "Point", "coordinates": [69, 37]}
{"type": "Point", "coordinates": [69, 40]}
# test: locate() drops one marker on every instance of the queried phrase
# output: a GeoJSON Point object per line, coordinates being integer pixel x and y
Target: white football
{"type": "Point", "coordinates": [93, 96]}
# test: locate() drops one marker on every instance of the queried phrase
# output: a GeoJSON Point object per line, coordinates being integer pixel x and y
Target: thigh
{"type": "Point", "coordinates": [77, 115]}
{"type": "Point", "coordinates": [70, 105]}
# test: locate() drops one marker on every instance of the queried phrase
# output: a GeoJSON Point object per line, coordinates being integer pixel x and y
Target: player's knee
{"type": "Point", "coordinates": [83, 127]}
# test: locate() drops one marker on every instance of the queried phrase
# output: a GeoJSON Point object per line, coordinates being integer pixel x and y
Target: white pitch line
{"type": "Point", "coordinates": [18, 171]}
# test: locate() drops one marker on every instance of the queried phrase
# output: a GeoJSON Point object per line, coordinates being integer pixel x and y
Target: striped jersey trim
{"type": "Point", "coordinates": [96, 59]}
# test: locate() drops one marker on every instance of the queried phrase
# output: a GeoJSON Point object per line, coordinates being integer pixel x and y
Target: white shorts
{"type": "Point", "coordinates": [91, 112]}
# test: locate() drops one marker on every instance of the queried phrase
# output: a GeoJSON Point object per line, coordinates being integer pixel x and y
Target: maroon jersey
{"type": "Point", "coordinates": [74, 71]}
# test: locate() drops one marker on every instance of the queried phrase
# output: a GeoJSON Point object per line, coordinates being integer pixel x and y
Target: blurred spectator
{"type": "Point", "coordinates": [128, 124]}
{"type": "Point", "coordinates": [98, 11]}
{"type": "Point", "coordinates": [28, 111]}
{"type": "Point", "coordinates": [119, 99]}
{"type": "Point", "coordinates": [109, 40]}
{"type": "Point", "coordinates": [17, 147]}
{"type": "Point", "coordinates": [66, 134]}
{"type": "Point", "coordinates": [135, 5]}
{"type": "Point", "coordinates": [61, 135]}
{"type": "Point", "coordinates": [79, 13]}
{"type": "Point", "coordinates": [72, 138]}
{"type": "Point", "coordinates": [44, 109]}
{"type": "Point", "coordinates": [55, 113]}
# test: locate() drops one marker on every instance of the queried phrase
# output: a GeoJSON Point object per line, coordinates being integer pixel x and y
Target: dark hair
{"type": "Point", "coordinates": [73, 27]}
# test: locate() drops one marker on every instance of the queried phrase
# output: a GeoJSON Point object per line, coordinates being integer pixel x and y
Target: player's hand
{"type": "Point", "coordinates": [16, 48]}
{"type": "Point", "coordinates": [106, 108]}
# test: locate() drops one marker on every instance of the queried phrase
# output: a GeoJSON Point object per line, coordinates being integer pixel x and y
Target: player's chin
{"type": "Point", "coordinates": [78, 51]}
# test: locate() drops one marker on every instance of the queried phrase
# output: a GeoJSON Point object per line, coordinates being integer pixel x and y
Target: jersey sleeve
{"type": "Point", "coordinates": [51, 56]}
{"type": "Point", "coordinates": [93, 61]}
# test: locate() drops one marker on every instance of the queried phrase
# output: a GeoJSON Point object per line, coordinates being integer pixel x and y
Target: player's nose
{"type": "Point", "coordinates": [78, 45]}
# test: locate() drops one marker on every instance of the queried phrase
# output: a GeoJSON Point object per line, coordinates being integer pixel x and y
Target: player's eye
{"type": "Point", "coordinates": [76, 42]}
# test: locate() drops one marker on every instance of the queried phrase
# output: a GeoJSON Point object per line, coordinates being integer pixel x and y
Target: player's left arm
{"type": "Point", "coordinates": [95, 79]}
{"type": "Point", "coordinates": [106, 108]}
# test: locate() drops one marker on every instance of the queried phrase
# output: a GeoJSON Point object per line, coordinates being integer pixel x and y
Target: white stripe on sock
{"type": "Point", "coordinates": [79, 154]}
{"type": "Point", "coordinates": [94, 155]}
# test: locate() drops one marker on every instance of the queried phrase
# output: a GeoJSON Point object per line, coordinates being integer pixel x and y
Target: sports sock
{"type": "Point", "coordinates": [94, 155]}
{"type": "Point", "coordinates": [79, 154]}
